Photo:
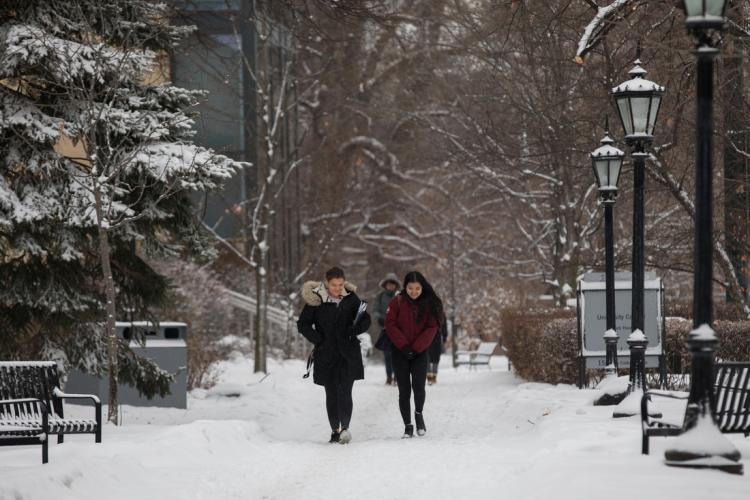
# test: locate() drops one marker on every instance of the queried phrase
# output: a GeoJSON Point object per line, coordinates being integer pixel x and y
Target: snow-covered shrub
{"type": "Point", "coordinates": [734, 342]}
{"type": "Point", "coordinates": [558, 350]}
{"type": "Point", "coordinates": [675, 347]}
{"type": "Point", "coordinates": [542, 345]}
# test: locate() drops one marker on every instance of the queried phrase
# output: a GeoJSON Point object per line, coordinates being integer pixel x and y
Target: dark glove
{"type": "Point", "coordinates": [408, 352]}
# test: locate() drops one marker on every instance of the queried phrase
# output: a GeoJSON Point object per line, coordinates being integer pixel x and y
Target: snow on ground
{"type": "Point", "coordinates": [489, 435]}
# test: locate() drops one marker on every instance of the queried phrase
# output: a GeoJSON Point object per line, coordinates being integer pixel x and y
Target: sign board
{"type": "Point", "coordinates": [592, 313]}
{"type": "Point", "coordinates": [594, 362]}
{"type": "Point", "coordinates": [592, 319]}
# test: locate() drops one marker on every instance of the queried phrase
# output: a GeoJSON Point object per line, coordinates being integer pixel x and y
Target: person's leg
{"type": "Point", "coordinates": [401, 370]}
{"type": "Point", "coordinates": [388, 357]}
{"type": "Point", "coordinates": [418, 371]}
{"type": "Point", "coordinates": [344, 398]}
{"type": "Point", "coordinates": [345, 402]}
{"type": "Point", "coordinates": [332, 406]}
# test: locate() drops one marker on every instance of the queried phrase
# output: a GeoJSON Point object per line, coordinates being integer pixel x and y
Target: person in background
{"type": "Point", "coordinates": [436, 350]}
{"type": "Point", "coordinates": [331, 319]}
{"type": "Point", "coordinates": [390, 285]}
{"type": "Point", "coordinates": [411, 322]}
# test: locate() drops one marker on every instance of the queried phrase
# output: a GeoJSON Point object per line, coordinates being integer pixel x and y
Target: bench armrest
{"type": "Point", "coordinates": [97, 406]}
{"type": "Point", "coordinates": [644, 406]}
{"type": "Point", "coordinates": [62, 395]}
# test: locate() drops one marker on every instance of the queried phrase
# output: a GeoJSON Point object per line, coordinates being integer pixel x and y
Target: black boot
{"type": "Point", "coordinates": [335, 436]}
{"type": "Point", "coordinates": [408, 431]}
{"type": "Point", "coordinates": [419, 419]}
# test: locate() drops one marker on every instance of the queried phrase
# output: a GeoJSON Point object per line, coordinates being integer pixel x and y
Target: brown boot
{"type": "Point", "coordinates": [389, 381]}
{"type": "Point", "coordinates": [430, 378]}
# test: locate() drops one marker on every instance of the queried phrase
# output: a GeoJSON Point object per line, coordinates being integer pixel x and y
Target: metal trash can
{"type": "Point", "coordinates": [164, 345]}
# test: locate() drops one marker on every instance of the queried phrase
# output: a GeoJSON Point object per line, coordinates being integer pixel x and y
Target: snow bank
{"type": "Point", "coordinates": [489, 435]}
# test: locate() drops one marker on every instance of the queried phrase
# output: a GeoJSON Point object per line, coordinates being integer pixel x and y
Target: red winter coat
{"type": "Point", "coordinates": [402, 328]}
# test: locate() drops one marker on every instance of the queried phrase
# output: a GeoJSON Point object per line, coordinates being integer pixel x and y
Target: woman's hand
{"type": "Point", "coordinates": [408, 352]}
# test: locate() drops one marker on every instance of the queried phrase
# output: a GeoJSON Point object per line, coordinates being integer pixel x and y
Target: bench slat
{"type": "Point", "coordinates": [732, 390]}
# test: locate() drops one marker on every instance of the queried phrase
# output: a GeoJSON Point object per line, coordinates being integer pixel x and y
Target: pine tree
{"type": "Point", "coordinates": [96, 161]}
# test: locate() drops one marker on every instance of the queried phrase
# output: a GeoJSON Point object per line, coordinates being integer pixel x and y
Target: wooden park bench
{"type": "Point", "coordinates": [481, 356]}
{"type": "Point", "coordinates": [732, 393]}
{"type": "Point", "coordinates": [31, 406]}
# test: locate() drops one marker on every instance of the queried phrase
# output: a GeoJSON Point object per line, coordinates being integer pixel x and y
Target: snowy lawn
{"type": "Point", "coordinates": [489, 435]}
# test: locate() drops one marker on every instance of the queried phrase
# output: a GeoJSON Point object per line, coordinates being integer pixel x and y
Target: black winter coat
{"type": "Point", "coordinates": [329, 327]}
{"type": "Point", "coordinates": [436, 348]}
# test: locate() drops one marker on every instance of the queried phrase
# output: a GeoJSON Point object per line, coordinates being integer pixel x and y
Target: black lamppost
{"type": "Point", "coordinates": [637, 101]}
{"type": "Point", "coordinates": [606, 161]}
{"type": "Point", "coordinates": [705, 19]}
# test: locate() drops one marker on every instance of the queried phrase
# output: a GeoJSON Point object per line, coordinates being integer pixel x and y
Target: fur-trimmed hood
{"type": "Point", "coordinates": [390, 277]}
{"type": "Point", "coordinates": [315, 293]}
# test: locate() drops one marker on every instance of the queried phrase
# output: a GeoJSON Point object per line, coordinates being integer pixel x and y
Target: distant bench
{"type": "Point", "coordinates": [480, 357]}
{"type": "Point", "coordinates": [732, 393]}
{"type": "Point", "coordinates": [31, 406]}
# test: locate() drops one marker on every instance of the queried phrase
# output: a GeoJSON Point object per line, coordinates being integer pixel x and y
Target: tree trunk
{"type": "Point", "coordinates": [261, 315]}
{"type": "Point", "coordinates": [111, 327]}
{"type": "Point", "coordinates": [736, 169]}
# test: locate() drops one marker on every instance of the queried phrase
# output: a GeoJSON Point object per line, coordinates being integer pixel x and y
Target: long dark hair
{"type": "Point", "coordinates": [428, 302]}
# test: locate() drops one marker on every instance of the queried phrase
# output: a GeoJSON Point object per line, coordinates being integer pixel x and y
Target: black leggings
{"type": "Point", "coordinates": [410, 375]}
{"type": "Point", "coordinates": [339, 402]}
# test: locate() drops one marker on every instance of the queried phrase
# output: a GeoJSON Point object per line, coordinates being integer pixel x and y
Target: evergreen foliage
{"type": "Point", "coordinates": [79, 115]}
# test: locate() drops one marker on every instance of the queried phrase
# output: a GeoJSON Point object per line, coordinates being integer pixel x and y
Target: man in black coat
{"type": "Point", "coordinates": [331, 320]}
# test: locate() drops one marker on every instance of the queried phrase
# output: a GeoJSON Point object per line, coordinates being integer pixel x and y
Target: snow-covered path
{"type": "Point", "coordinates": [489, 436]}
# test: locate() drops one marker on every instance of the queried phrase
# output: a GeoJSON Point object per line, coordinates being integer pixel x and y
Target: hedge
{"type": "Point", "coordinates": [543, 345]}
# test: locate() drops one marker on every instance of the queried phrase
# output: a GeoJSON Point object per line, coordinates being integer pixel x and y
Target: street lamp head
{"type": "Point", "coordinates": [702, 15]}
{"type": "Point", "coordinates": [637, 101]}
{"type": "Point", "coordinates": [607, 162]}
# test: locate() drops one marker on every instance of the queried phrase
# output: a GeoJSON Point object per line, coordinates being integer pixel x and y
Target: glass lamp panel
{"type": "Point", "coordinates": [694, 8]}
{"type": "Point", "coordinates": [624, 110]}
{"type": "Point", "coordinates": [715, 7]}
{"type": "Point", "coordinates": [614, 171]}
{"type": "Point", "coordinates": [655, 103]}
{"type": "Point", "coordinates": [639, 105]}
{"type": "Point", "coordinates": [602, 172]}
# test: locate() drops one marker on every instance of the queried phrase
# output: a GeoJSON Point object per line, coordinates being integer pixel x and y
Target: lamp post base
{"type": "Point", "coordinates": [704, 447]}
{"type": "Point", "coordinates": [716, 463]}
{"type": "Point", "coordinates": [610, 399]}
{"type": "Point", "coordinates": [614, 389]}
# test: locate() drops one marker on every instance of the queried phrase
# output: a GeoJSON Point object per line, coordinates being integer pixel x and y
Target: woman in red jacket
{"type": "Point", "coordinates": [411, 322]}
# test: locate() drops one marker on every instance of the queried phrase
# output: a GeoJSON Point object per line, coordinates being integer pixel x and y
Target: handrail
{"type": "Point", "coordinates": [247, 303]}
